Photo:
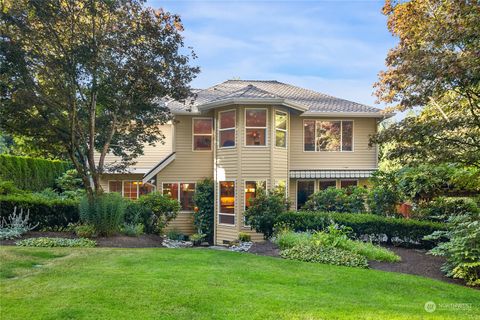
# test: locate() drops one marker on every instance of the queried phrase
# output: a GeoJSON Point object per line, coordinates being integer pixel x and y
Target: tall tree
{"type": "Point", "coordinates": [86, 76]}
{"type": "Point", "coordinates": [435, 66]}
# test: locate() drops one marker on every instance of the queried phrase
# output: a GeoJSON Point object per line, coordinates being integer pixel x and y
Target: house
{"type": "Point", "coordinates": [246, 134]}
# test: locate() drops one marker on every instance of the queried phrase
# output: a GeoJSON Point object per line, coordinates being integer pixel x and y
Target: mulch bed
{"type": "Point", "coordinates": [117, 241]}
{"type": "Point", "coordinates": [414, 261]}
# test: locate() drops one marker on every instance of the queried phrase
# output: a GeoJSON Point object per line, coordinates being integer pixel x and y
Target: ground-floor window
{"type": "Point", "coordinates": [348, 183]}
{"type": "Point", "coordinates": [130, 189]}
{"type": "Point", "coordinates": [252, 188]}
{"type": "Point", "coordinates": [226, 213]}
{"type": "Point", "coordinates": [181, 191]}
{"type": "Point", "coordinates": [325, 184]}
{"type": "Point", "coordinates": [305, 188]}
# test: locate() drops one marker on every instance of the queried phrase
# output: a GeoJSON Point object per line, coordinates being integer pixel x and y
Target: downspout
{"type": "Point", "coordinates": [215, 183]}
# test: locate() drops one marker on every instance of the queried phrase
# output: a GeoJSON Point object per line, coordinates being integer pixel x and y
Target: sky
{"type": "Point", "coordinates": [334, 47]}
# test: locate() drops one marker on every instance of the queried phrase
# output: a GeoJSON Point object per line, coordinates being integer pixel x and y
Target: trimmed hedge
{"type": "Point", "coordinates": [28, 173]}
{"type": "Point", "coordinates": [51, 214]}
{"type": "Point", "coordinates": [405, 230]}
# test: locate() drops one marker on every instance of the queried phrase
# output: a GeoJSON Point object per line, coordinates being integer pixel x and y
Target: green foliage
{"type": "Point", "coordinates": [403, 231]}
{"type": "Point", "coordinates": [56, 242]}
{"type": "Point", "coordinates": [286, 239]}
{"type": "Point", "coordinates": [264, 210]}
{"type": "Point", "coordinates": [175, 234]}
{"type": "Point", "coordinates": [158, 210]}
{"type": "Point", "coordinates": [133, 230]}
{"type": "Point", "coordinates": [197, 238]}
{"type": "Point", "coordinates": [105, 212]}
{"type": "Point", "coordinates": [326, 255]}
{"type": "Point", "coordinates": [51, 214]}
{"type": "Point", "coordinates": [462, 249]}
{"type": "Point", "coordinates": [32, 174]}
{"type": "Point", "coordinates": [204, 217]}
{"type": "Point", "coordinates": [85, 231]}
{"type": "Point", "coordinates": [8, 187]}
{"type": "Point", "coordinates": [385, 194]}
{"type": "Point", "coordinates": [338, 200]}
{"type": "Point", "coordinates": [244, 237]}
{"type": "Point", "coordinates": [70, 185]}
{"type": "Point", "coordinates": [441, 208]}
{"type": "Point", "coordinates": [16, 225]}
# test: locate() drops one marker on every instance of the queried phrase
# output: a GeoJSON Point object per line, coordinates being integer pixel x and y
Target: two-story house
{"type": "Point", "coordinates": [246, 134]}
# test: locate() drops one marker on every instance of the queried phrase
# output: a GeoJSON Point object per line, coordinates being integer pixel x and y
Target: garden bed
{"type": "Point", "coordinates": [117, 241]}
{"type": "Point", "coordinates": [414, 261]}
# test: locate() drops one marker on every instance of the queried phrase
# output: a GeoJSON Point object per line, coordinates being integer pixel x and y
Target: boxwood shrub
{"type": "Point", "coordinates": [51, 214]}
{"type": "Point", "coordinates": [406, 231]}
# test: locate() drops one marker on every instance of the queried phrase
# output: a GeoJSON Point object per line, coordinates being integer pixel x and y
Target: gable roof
{"type": "Point", "coordinates": [271, 92]}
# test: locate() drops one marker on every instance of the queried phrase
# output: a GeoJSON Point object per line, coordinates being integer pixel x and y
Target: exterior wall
{"type": "Point", "coordinates": [152, 154]}
{"type": "Point", "coordinates": [362, 156]}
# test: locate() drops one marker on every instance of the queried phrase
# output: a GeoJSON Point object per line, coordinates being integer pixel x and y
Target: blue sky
{"type": "Point", "coordinates": [335, 47]}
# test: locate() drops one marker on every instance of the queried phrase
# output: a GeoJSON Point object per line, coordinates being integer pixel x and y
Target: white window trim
{"type": "Point", "coordinates": [283, 130]}
{"type": "Point", "coordinates": [234, 205]}
{"type": "Point", "coordinates": [201, 134]}
{"type": "Point", "coordinates": [296, 190]}
{"type": "Point", "coordinates": [245, 196]}
{"type": "Point", "coordinates": [178, 192]}
{"type": "Point", "coordinates": [341, 135]}
{"type": "Point", "coordinates": [225, 129]}
{"type": "Point", "coordinates": [129, 180]}
{"type": "Point", "coordinates": [265, 128]}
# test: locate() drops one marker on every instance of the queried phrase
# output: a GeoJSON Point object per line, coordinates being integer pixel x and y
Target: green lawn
{"type": "Point", "coordinates": [100, 283]}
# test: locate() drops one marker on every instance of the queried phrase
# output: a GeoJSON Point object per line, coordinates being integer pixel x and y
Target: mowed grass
{"type": "Point", "coordinates": [101, 283]}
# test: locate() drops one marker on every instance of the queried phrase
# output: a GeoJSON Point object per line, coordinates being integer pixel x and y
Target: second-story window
{"type": "Point", "coordinates": [226, 129]}
{"type": "Point", "coordinates": [202, 134]}
{"type": "Point", "coordinates": [256, 127]}
{"type": "Point", "coordinates": [280, 129]}
{"type": "Point", "coordinates": [325, 135]}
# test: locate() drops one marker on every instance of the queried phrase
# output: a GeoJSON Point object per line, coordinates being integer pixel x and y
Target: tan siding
{"type": "Point", "coordinates": [363, 156]}
{"type": "Point", "coordinates": [152, 154]}
{"type": "Point", "coordinates": [183, 223]}
{"type": "Point", "coordinates": [107, 177]}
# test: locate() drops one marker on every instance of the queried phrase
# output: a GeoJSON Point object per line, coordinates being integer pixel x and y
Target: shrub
{"type": "Point", "coordinates": [8, 187]}
{"type": "Point", "coordinates": [327, 255]}
{"type": "Point", "coordinates": [244, 237]}
{"type": "Point", "coordinates": [205, 208]}
{"type": "Point", "coordinates": [105, 212]}
{"type": "Point", "coordinates": [462, 249]}
{"type": "Point", "coordinates": [441, 208]}
{"type": "Point", "coordinates": [51, 214]}
{"type": "Point", "coordinates": [197, 238]}
{"type": "Point", "coordinates": [382, 201]}
{"type": "Point", "coordinates": [338, 200]}
{"type": "Point", "coordinates": [264, 210]}
{"type": "Point", "coordinates": [133, 230]}
{"type": "Point", "coordinates": [286, 239]}
{"type": "Point", "coordinates": [28, 173]}
{"type": "Point", "coordinates": [175, 234]}
{"type": "Point", "coordinates": [56, 242]}
{"type": "Point", "coordinates": [157, 210]}
{"type": "Point", "coordinates": [406, 231]}
{"type": "Point", "coordinates": [85, 231]}
{"type": "Point", "coordinates": [15, 225]}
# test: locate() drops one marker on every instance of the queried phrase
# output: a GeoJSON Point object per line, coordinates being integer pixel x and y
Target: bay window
{"type": "Point", "coordinates": [182, 192]}
{"type": "Point", "coordinates": [226, 213]}
{"type": "Point", "coordinates": [280, 129]}
{"type": "Point", "coordinates": [226, 129]}
{"type": "Point", "coordinates": [252, 188]}
{"type": "Point", "coordinates": [202, 134]}
{"type": "Point", "coordinates": [256, 127]}
{"type": "Point", "coordinates": [322, 135]}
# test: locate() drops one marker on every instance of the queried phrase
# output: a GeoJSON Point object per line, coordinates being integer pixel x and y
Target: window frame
{"type": "Point", "coordinates": [123, 186]}
{"type": "Point", "coordinates": [283, 130]}
{"type": "Point", "coordinates": [178, 192]}
{"type": "Point", "coordinates": [202, 134]}
{"type": "Point", "coordinates": [320, 180]}
{"type": "Point", "coordinates": [234, 204]}
{"type": "Point", "coordinates": [246, 128]}
{"type": "Point", "coordinates": [340, 182]}
{"type": "Point", "coordinates": [264, 180]}
{"type": "Point", "coordinates": [315, 185]}
{"type": "Point", "coordinates": [219, 129]}
{"type": "Point", "coordinates": [341, 135]}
